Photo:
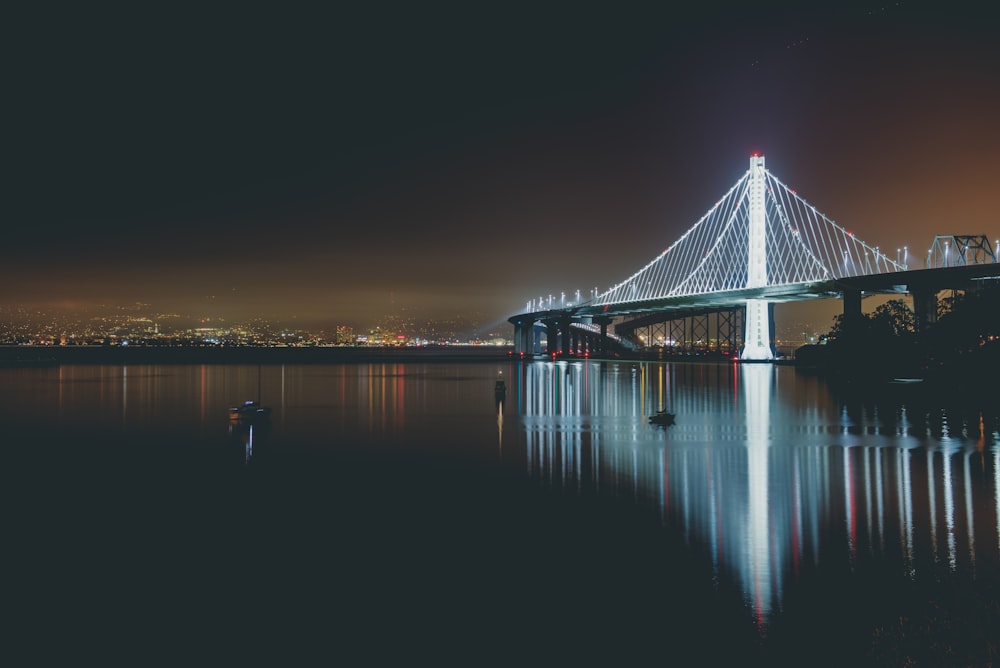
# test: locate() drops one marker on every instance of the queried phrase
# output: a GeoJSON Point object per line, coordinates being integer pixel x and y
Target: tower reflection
{"type": "Point", "coordinates": [764, 472]}
{"type": "Point", "coordinates": [756, 385]}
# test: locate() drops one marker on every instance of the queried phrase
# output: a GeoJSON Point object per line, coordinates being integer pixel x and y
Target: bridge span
{"type": "Point", "coordinates": [759, 245]}
{"type": "Point", "coordinates": [564, 333]}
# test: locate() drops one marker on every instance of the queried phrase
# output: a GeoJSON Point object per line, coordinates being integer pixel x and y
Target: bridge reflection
{"type": "Point", "coordinates": [764, 470]}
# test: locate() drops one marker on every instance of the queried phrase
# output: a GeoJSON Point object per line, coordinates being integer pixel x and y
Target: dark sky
{"type": "Point", "coordinates": [332, 165]}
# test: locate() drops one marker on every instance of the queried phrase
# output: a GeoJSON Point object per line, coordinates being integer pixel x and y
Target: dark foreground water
{"type": "Point", "coordinates": [398, 512]}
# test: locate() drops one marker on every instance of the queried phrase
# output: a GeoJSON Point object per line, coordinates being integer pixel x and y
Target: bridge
{"type": "Point", "coordinates": [759, 245]}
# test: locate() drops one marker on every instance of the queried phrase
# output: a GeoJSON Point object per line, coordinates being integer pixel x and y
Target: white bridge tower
{"type": "Point", "coordinates": [757, 338]}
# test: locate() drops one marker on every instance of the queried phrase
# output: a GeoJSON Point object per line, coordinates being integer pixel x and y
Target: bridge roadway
{"type": "Point", "coordinates": [922, 284]}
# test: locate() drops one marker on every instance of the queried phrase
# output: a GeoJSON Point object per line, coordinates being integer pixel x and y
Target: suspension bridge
{"type": "Point", "coordinates": [759, 245]}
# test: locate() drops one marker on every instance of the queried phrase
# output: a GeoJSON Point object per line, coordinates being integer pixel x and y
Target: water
{"type": "Point", "coordinates": [387, 493]}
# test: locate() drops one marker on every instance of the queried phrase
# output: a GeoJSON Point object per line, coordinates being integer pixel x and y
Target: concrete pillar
{"type": "Point", "coordinates": [852, 313]}
{"type": "Point", "coordinates": [602, 345]}
{"type": "Point", "coordinates": [567, 338]}
{"type": "Point", "coordinates": [772, 339]}
{"type": "Point", "coordinates": [758, 341]}
{"type": "Point", "coordinates": [552, 336]}
{"type": "Point", "coordinates": [524, 336]}
{"type": "Point", "coordinates": [925, 307]}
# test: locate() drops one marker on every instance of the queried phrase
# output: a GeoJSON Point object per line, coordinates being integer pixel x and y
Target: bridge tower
{"type": "Point", "coordinates": [757, 338]}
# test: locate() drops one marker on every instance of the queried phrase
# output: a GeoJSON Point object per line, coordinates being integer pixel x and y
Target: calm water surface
{"type": "Point", "coordinates": [765, 473]}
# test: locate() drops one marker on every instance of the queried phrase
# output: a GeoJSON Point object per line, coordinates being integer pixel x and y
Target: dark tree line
{"type": "Point", "coordinates": [962, 347]}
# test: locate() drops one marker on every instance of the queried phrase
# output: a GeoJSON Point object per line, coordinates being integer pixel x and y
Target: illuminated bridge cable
{"type": "Point", "coordinates": [803, 245]}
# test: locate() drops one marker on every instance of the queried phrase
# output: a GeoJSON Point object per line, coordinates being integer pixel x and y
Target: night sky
{"type": "Point", "coordinates": [333, 166]}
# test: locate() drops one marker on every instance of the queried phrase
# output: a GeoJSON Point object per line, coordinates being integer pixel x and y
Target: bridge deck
{"type": "Point", "coordinates": [900, 282]}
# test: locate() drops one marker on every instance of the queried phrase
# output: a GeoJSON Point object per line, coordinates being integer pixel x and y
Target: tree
{"type": "Point", "coordinates": [963, 346]}
{"type": "Point", "coordinates": [961, 350]}
{"type": "Point", "coordinates": [891, 320]}
{"type": "Point", "coordinates": [894, 319]}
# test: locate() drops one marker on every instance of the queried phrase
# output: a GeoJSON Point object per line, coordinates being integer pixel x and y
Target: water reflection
{"type": "Point", "coordinates": [756, 386]}
{"type": "Point", "coordinates": [765, 471]}
{"type": "Point", "coordinates": [242, 434]}
{"type": "Point", "coordinates": [500, 429]}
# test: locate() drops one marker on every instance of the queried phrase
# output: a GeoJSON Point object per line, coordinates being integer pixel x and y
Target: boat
{"type": "Point", "coordinates": [500, 387]}
{"type": "Point", "coordinates": [250, 411]}
{"type": "Point", "coordinates": [662, 418]}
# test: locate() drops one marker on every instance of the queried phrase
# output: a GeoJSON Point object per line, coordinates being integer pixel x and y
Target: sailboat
{"type": "Point", "coordinates": [250, 410]}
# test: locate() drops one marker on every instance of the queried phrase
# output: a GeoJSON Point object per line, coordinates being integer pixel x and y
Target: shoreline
{"type": "Point", "coordinates": [40, 356]}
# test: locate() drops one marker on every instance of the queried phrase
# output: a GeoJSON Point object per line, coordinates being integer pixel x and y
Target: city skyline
{"type": "Point", "coordinates": [144, 323]}
{"type": "Point", "coordinates": [308, 167]}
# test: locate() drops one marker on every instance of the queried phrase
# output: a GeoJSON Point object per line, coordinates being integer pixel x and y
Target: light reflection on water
{"type": "Point", "coordinates": [765, 471]}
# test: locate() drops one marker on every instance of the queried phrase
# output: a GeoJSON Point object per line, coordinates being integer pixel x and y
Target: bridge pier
{"type": "Point", "coordinates": [851, 322]}
{"type": "Point", "coordinates": [520, 337]}
{"type": "Point", "coordinates": [555, 333]}
{"type": "Point", "coordinates": [925, 305]}
{"type": "Point", "coordinates": [525, 340]}
{"type": "Point", "coordinates": [603, 343]}
{"type": "Point", "coordinates": [852, 308]}
{"type": "Point", "coordinates": [758, 342]}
